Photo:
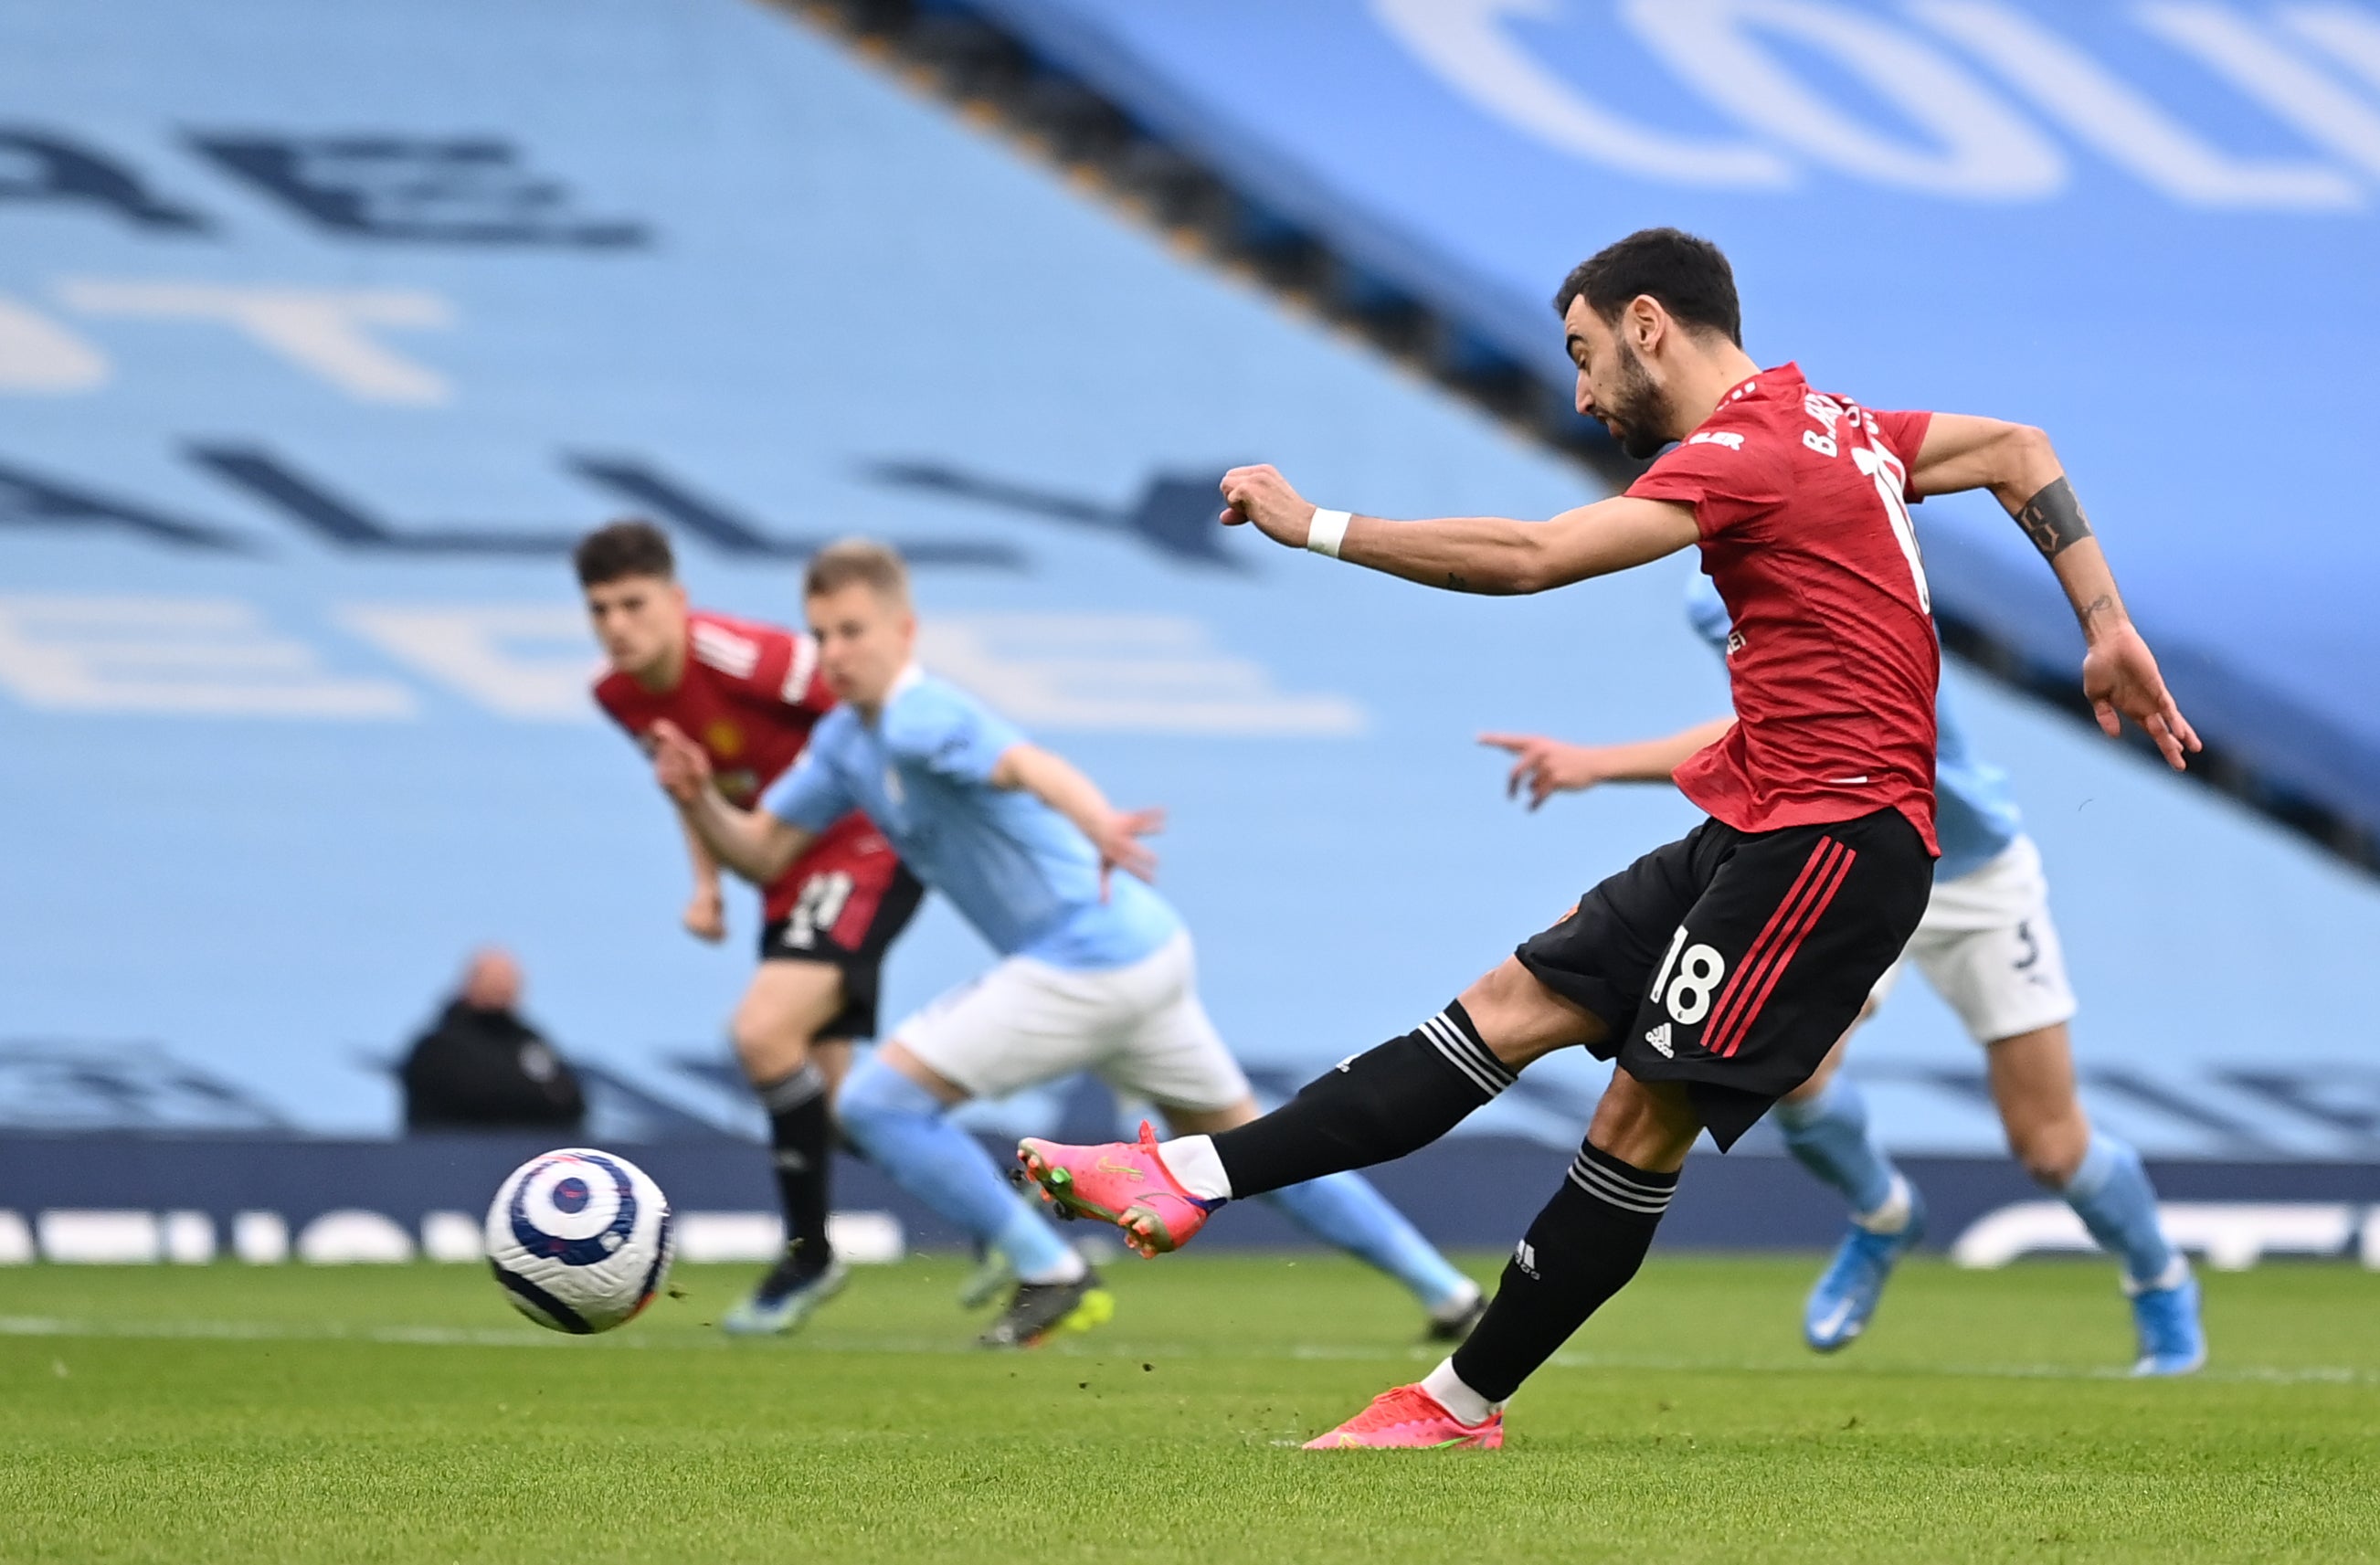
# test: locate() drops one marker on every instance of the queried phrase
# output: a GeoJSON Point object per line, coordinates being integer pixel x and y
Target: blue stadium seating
{"type": "Point", "coordinates": [323, 329]}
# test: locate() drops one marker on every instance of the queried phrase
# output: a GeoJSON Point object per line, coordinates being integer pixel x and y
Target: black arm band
{"type": "Point", "coordinates": [2053, 519]}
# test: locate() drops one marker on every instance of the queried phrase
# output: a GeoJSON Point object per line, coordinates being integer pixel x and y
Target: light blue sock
{"type": "Point", "coordinates": [1033, 1247]}
{"type": "Point", "coordinates": [1828, 1134]}
{"type": "Point", "coordinates": [2112, 1195]}
{"type": "Point", "coordinates": [905, 1131]}
{"type": "Point", "coordinates": [1343, 1209]}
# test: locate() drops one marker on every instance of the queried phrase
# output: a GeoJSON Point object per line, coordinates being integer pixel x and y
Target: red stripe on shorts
{"type": "Point", "coordinates": [1814, 907]}
{"type": "Point", "coordinates": [1739, 980]}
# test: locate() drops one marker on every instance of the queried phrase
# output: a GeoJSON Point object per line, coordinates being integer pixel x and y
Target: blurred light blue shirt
{"type": "Point", "coordinates": [1975, 815]}
{"type": "Point", "coordinates": [1023, 874]}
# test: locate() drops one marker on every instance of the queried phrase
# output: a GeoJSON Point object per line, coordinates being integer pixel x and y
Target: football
{"type": "Point", "coordinates": [579, 1240]}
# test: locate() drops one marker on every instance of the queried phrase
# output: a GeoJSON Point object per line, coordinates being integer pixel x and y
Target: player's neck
{"type": "Point", "coordinates": [871, 710]}
{"type": "Point", "coordinates": [1703, 377]}
{"type": "Point", "coordinates": [661, 676]}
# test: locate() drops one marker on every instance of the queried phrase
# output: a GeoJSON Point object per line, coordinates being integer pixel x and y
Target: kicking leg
{"type": "Point", "coordinates": [793, 1070]}
{"type": "Point", "coordinates": [2102, 1179]}
{"type": "Point", "coordinates": [1343, 1209]}
{"type": "Point", "coordinates": [1403, 1095]}
{"type": "Point", "coordinates": [1372, 1108]}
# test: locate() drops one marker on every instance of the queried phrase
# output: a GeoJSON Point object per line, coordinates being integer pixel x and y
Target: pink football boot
{"type": "Point", "coordinates": [1408, 1418]}
{"type": "Point", "coordinates": [1121, 1182]}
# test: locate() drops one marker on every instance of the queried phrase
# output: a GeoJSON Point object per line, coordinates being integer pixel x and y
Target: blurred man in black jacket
{"type": "Point", "coordinates": [480, 1067]}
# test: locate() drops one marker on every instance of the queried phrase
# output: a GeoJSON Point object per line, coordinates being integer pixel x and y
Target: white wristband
{"type": "Point", "coordinates": [1327, 532]}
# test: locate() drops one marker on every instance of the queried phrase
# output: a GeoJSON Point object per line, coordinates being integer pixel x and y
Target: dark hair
{"type": "Point", "coordinates": [624, 549]}
{"type": "Point", "coordinates": [1687, 275]}
{"type": "Point", "coordinates": [862, 560]}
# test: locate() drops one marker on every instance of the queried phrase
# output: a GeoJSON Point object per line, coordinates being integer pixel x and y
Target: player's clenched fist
{"type": "Point", "coordinates": [679, 765]}
{"type": "Point", "coordinates": [1261, 495]}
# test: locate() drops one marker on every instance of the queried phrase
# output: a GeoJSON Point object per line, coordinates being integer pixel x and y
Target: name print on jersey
{"type": "Point", "coordinates": [1880, 465]}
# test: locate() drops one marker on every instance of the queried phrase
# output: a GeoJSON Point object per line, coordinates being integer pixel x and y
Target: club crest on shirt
{"type": "Point", "coordinates": [723, 739]}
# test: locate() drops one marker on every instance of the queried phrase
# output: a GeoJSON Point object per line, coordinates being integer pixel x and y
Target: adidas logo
{"type": "Point", "coordinates": [1660, 1038]}
{"type": "Point", "coordinates": [1524, 1255]}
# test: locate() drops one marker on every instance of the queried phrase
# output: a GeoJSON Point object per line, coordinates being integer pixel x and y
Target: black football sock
{"type": "Point", "coordinates": [1582, 1249]}
{"type": "Point", "coordinates": [801, 1143]}
{"type": "Point", "coordinates": [1373, 1107]}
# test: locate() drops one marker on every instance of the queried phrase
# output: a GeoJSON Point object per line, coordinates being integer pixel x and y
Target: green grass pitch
{"type": "Point", "coordinates": [403, 1413]}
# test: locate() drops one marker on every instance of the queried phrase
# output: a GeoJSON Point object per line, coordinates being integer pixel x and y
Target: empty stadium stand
{"type": "Point", "coordinates": [1999, 175]}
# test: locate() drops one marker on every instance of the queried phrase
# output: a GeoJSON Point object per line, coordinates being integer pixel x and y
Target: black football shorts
{"type": "Point", "coordinates": [1732, 961]}
{"type": "Point", "coordinates": [848, 926]}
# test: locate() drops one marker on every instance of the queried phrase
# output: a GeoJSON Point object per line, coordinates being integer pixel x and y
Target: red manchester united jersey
{"type": "Point", "coordinates": [1802, 501]}
{"type": "Point", "coordinates": [749, 696]}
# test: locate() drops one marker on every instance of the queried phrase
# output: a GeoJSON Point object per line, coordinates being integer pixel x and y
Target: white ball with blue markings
{"type": "Point", "coordinates": [580, 1239]}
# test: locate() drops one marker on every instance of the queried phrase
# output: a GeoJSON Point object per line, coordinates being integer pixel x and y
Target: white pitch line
{"type": "Point", "coordinates": [961, 1345]}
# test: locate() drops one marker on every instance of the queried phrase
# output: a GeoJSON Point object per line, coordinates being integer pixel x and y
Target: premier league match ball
{"type": "Point", "coordinates": [579, 1240]}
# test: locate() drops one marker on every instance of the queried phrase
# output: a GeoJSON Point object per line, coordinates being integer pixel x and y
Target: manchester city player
{"type": "Point", "coordinates": [1989, 948]}
{"type": "Point", "coordinates": [1096, 970]}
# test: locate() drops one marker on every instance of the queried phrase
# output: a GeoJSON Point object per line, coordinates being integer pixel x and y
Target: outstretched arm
{"type": "Point", "coordinates": [1055, 781]}
{"type": "Point", "coordinates": [753, 843]}
{"type": "Point", "coordinates": [1487, 554]}
{"type": "Point", "coordinates": [2017, 463]}
{"type": "Point", "coordinates": [1546, 766]}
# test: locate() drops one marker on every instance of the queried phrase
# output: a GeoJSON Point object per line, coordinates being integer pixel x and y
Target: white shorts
{"type": "Point", "coordinates": [1987, 947]}
{"type": "Point", "coordinates": [1139, 1028]}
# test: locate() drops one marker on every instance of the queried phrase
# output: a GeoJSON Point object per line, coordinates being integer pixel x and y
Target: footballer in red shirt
{"type": "Point", "coordinates": [749, 694]}
{"type": "Point", "coordinates": [1715, 972]}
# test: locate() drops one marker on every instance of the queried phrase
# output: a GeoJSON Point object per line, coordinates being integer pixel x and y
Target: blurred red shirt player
{"type": "Point", "coordinates": [749, 694]}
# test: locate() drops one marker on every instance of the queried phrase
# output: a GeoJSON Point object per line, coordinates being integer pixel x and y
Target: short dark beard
{"type": "Point", "coordinates": [1639, 410]}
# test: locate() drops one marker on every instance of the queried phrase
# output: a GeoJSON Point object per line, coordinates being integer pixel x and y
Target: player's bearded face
{"type": "Point", "coordinates": [1633, 406]}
